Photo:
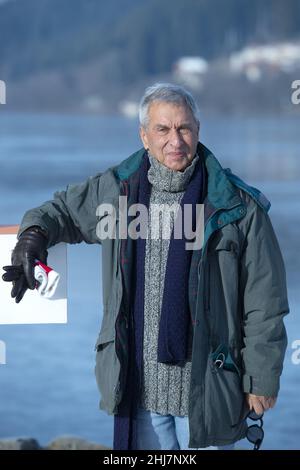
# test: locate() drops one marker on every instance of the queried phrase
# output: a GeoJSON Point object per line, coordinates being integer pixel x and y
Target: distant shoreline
{"type": "Point", "coordinates": [59, 443]}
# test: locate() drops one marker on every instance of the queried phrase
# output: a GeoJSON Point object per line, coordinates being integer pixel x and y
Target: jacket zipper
{"type": "Point", "coordinates": [123, 303]}
{"type": "Point", "coordinates": [206, 304]}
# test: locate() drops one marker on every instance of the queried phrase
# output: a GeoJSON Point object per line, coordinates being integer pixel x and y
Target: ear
{"type": "Point", "coordinates": [143, 136]}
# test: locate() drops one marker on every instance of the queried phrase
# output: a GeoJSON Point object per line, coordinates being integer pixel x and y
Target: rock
{"type": "Point", "coordinates": [19, 444]}
{"type": "Point", "coordinates": [74, 443]}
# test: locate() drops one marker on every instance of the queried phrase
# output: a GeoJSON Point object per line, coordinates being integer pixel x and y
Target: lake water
{"type": "Point", "coordinates": [47, 387]}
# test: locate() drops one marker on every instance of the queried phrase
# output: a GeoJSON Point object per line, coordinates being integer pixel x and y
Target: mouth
{"type": "Point", "coordinates": [177, 155]}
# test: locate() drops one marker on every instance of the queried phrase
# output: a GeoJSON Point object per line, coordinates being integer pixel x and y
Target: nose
{"type": "Point", "coordinates": [176, 138]}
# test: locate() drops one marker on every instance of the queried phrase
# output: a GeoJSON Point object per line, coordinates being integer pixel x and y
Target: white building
{"type": "Point", "coordinates": [190, 70]}
{"type": "Point", "coordinates": [276, 57]}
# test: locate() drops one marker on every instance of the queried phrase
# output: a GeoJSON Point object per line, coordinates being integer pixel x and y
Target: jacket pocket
{"type": "Point", "coordinates": [107, 371]}
{"type": "Point", "coordinates": [224, 400]}
{"type": "Point", "coordinates": [227, 245]}
{"type": "Point", "coordinates": [224, 289]}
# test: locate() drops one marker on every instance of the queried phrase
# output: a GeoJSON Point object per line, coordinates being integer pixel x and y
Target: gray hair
{"type": "Point", "coordinates": [169, 93]}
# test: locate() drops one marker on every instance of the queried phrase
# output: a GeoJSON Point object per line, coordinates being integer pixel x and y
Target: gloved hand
{"type": "Point", "coordinates": [31, 245]}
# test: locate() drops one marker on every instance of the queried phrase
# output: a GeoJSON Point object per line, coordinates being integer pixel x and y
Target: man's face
{"type": "Point", "coordinates": [171, 135]}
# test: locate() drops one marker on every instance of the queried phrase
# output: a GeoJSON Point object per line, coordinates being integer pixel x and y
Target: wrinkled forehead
{"type": "Point", "coordinates": [166, 112]}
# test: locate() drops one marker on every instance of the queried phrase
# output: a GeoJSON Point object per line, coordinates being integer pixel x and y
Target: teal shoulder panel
{"type": "Point", "coordinates": [255, 193]}
{"type": "Point", "coordinates": [129, 166]}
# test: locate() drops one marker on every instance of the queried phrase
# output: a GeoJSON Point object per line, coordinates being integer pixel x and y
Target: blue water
{"type": "Point", "coordinates": [47, 387]}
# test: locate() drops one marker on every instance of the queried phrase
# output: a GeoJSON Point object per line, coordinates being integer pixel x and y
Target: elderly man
{"type": "Point", "coordinates": [191, 340]}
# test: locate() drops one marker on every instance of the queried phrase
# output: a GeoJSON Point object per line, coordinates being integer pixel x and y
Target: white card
{"type": "Point", "coordinates": [33, 308]}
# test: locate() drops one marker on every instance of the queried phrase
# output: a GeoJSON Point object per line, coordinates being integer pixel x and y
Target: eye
{"type": "Point", "coordinates": [162, 130]}
{"type": "Point", "coordinates": [184, 130]}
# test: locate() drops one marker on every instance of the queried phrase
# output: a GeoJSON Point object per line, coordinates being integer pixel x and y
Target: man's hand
{"type": "Point", "coordinates": [31, 245]}
{"type": "Point", "coordinates": [260, 403]}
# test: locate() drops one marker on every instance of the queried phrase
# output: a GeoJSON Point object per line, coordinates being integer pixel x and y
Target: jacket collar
{"type": "Point", "coordinates": [221, 193]}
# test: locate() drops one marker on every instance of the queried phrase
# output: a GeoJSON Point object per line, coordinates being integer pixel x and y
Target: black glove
{"type": "Point", "coordinates": [31, 246]}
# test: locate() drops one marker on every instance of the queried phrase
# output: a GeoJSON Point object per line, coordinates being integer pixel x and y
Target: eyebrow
{"type": "Point", "coordinates": [164, 126]}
